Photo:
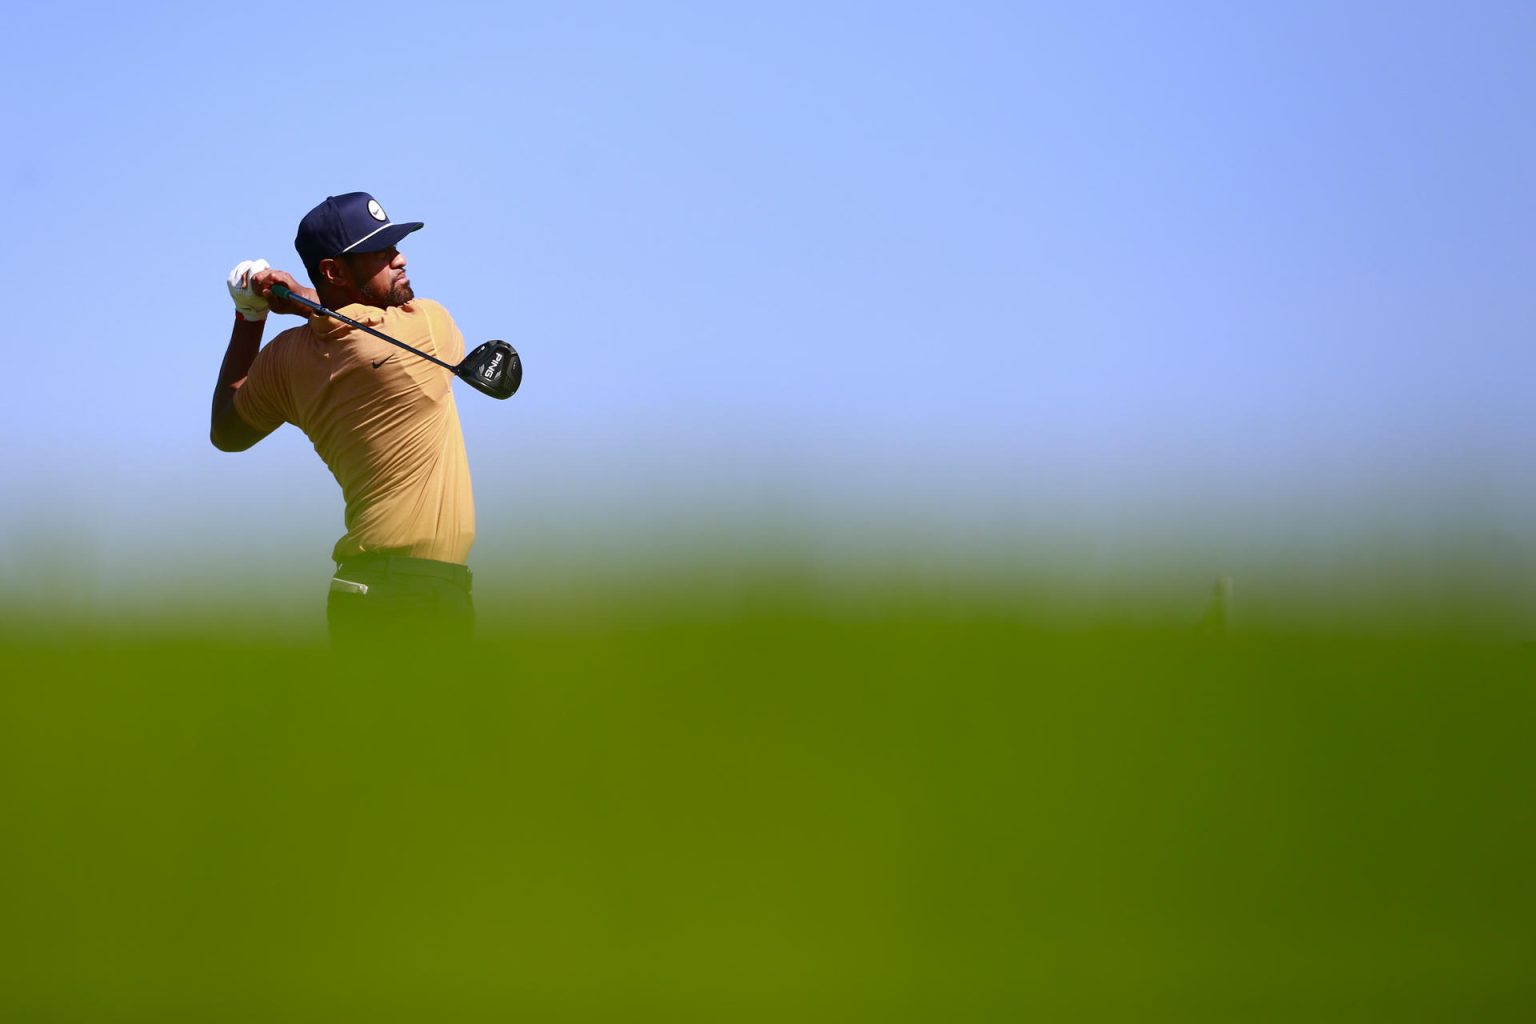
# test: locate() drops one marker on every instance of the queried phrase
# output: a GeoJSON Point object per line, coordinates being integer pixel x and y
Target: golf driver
{"type": "Point", "coordinates": [493, 368]}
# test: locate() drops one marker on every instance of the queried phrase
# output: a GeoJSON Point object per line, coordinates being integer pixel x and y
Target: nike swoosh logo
{"type": "Point", "coordinates": [381, 362]}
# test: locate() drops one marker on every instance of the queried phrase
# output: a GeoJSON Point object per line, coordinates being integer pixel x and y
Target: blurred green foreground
{"type": "Point", "coordinates": [780, 810]}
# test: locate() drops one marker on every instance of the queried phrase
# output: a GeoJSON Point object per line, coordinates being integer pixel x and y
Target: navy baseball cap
{"type": "Point", "coordinates": [349, 223]}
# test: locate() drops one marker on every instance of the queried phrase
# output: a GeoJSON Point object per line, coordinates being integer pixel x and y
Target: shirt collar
{"type": "Point", "coordinates": [330, 329]}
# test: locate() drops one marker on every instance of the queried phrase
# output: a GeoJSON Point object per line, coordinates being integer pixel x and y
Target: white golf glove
{"type": "Point", "coordinates": [248, 304]}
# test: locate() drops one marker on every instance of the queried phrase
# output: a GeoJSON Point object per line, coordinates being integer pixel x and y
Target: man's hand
{"type": "Point", "coordinates": [261, 284]}
{"type": "Point", "coordinates": [248, 304]}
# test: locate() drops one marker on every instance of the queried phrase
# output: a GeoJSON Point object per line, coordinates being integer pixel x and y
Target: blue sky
{"type": "Point", "coordinates": [984, 260]}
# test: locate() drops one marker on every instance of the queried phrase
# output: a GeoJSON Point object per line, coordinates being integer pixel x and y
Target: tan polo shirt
{"type": "Point", "coordinates": [382, 419]}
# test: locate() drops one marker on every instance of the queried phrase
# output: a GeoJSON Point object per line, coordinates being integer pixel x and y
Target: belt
{"type": "Point", "coordinates": [400, 565]}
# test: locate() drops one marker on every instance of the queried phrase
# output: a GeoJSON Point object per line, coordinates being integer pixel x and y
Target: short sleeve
{"type": "Point", "coordinates": [260, 401]}
{"type": "Point", "coordinates": [445, 333]}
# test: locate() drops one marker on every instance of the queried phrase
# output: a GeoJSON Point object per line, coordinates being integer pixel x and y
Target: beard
{"type": "Point", "coordinates": [397, 295]}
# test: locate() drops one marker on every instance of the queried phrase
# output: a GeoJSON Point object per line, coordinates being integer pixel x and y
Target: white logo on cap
{"type": "Point", "coordinates": [376, 210]}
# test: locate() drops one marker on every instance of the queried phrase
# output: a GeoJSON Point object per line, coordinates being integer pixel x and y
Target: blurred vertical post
{"type": "Point", "coordinates": [1218, 612]}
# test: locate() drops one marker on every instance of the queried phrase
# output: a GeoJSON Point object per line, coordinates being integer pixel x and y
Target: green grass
{"type": "Point", "coordinates": [779, 809]}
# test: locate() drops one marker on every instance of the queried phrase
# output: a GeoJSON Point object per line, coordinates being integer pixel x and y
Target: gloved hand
{"type": "Point", "coordinates": [248, 304]}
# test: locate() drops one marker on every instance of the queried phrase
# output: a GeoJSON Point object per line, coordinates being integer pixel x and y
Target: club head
{"type": "Point", "coordinates": [493, 368]}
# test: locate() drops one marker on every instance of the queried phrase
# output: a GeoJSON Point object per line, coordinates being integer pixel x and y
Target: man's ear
{"type": "Point", "coordinates": [335, 273]}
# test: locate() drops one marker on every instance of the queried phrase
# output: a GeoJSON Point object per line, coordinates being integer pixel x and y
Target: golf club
{"type": "Point", "coordinates": [493, 368]}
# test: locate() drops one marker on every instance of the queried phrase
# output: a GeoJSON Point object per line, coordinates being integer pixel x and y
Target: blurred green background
{"type": "Point", "coordinates": [745, 796]}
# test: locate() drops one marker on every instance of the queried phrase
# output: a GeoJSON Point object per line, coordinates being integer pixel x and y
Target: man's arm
{"type": "Point", "coordinates": [250, 285]}
{"type": "Point", "coordinates": [230, 433]}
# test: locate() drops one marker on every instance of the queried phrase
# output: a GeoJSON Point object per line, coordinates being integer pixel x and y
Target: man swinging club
{"type": "Point", "coordinates": [383, 420]}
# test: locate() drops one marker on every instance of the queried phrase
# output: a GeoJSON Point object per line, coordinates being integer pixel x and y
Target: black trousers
{"type": "Point", "coordinates": [386, 599]}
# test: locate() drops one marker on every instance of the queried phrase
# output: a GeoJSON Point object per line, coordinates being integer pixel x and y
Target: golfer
{"type": "Point", "coordinates": [383, 421]}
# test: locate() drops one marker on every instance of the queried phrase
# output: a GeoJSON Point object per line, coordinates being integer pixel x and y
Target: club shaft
{"type": "Point", "coordinates": [284, 292]}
